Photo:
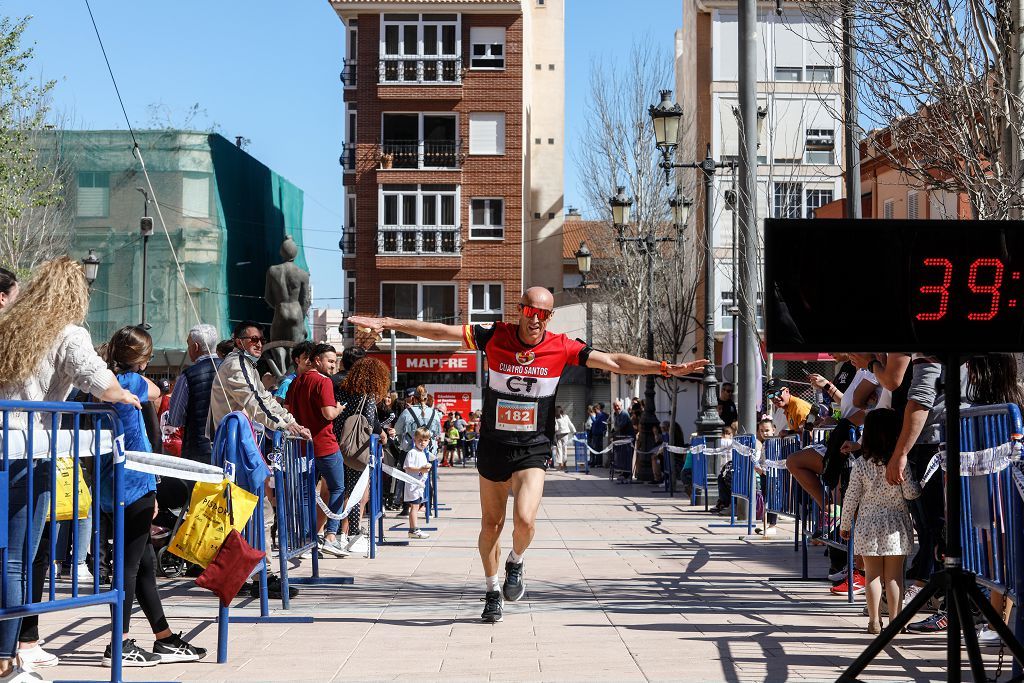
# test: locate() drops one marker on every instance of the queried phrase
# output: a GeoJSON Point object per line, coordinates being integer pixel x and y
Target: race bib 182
{"type": "Point", "coordinates": [514, 416]}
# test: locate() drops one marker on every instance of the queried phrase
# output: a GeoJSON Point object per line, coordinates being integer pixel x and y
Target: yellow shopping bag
{"type": "Point", "coordinates": [64, 492]}
{"type": "Point", "coordinates": [215, 509]}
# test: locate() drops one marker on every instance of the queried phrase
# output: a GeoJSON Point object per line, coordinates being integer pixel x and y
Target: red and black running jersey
{"type": "Point", "coordinates": [519, 399]}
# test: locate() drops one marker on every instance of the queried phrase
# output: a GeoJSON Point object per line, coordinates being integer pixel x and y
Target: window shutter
{"type": "Point", "coordinates": [486, 133]}
{"type": "Point", "coordinates": [912, 205]}
{"type": "Point", "coordinates": [195, 195]}
{"type": "Point", "coordinates": [789, 41]}
{"type": "Point", "coordinates": [728, 127]}
{"type": "Point", "coordinates": [788, 131]}
{"type": "Point", "coordinates": [728, 38]}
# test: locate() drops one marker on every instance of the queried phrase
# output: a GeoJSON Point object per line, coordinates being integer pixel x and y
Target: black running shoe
{"type": "Point", "coordinates": [492, 607]}
{"type": "Point", "coordinates": [132, 655]}
{"type": "Point", "coordinates": [177, 649]}
{"type": "Point", "coordinates": [514, 585]}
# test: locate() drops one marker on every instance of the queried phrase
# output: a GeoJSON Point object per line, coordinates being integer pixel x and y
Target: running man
{"type": "Point", "coordinates": [524, 365]}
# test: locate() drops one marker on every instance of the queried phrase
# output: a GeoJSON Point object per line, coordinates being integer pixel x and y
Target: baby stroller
{"type": "Point", "coordinates": [173, 497]}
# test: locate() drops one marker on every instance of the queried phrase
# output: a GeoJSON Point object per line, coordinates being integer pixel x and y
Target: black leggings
{"type": "Point", "coordinates": [140, 565]}
{"type": "Point", "coordinates": [356, 514]}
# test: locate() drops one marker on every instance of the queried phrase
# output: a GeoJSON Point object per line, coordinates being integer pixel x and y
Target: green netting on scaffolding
{"type": "Point", "coordinates": [226, 215]}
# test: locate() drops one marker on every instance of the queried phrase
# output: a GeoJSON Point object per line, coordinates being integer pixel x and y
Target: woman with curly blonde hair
{"type": "Point", "coordinates": [365, 385]}
{"type": "Point", "coordinates": [44, 352]}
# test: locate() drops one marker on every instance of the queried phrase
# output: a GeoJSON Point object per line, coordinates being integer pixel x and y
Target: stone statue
{"type": "Point", "coordinates": [289, 295]}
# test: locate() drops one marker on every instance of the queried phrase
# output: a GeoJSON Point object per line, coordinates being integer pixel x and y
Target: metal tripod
{"type": "Point", "coordinates": [959, 586]}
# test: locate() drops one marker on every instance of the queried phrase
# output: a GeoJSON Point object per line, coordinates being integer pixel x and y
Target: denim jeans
{"type": "Point", "coordinates": [332, 469]}
{"type": "Point", "coordinates": [19, 561]}
{"type": "Point", "coordinates": [64, 541]}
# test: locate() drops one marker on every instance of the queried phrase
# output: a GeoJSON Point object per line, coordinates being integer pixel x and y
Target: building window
{"type": "Point", "coordinates": [788, 73]}
{"type": "Point", "coordinates": [888, 208]}
{"type": "Point", "coordinates": [433, 303]}
{"type": "Point", "coordinates": [487, 47]}
{"type": "Point", "coordinates": [788, 200]}
{"type": "Point", "coordinates": [195, 195]}
{"type": "Point", "coordinates": [819, 146]}
{"type": "Point", "coordinates": [419, 220]}
{"type": "Point", "coordinates": [487, 219]}
{"type": "Point", "coordinates": [419, 141]}
{"type": "Point", "coordinates": [821, 74]}
{"type": "Point", "coordinates": [551, 141]}
{"type": "Point", "coordinates": [348, 235]}
{"type": "Point", "coordinates": [912, 208]}
{"type": "Point", "coordinates": [486, 133]}
{"type": "Point", "coordinates": [417, 48]}
{"type": "Point", "coordinates": [93, 194]}
{"type": "Point", "coordinates": [728, 300]}
{"type": "Point", "coordinates": [551, 67]}
{"type": "Point", "coordinates": [485, 303]}
{"type": "Point", "coordinates": [350, 303]}
{"type": "Point", "coordinates": [816, 199]}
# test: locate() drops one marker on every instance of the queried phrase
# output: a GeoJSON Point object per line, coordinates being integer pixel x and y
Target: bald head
{"type": "Point", "coordinates": [536, 308]}
{"type": "Point", "coordinates": [539, 297]}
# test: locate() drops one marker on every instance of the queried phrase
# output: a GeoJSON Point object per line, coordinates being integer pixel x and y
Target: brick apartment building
{"type": "Point", "coordinates": [452, 163]}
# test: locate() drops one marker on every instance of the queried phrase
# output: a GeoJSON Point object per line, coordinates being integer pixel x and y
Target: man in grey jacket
{"type": "Point", "coordinates": [238, 386]}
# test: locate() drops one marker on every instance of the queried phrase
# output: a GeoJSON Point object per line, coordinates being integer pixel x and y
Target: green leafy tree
{"type": "Point", "coordinates": [35, 223]}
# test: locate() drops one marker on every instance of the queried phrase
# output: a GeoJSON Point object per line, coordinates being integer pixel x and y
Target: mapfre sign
{"type": "Point", "coordinates": [431, 362]}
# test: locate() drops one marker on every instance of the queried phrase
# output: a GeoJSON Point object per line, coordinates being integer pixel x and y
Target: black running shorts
{"type": "Point", "coordinates": [497, 461]}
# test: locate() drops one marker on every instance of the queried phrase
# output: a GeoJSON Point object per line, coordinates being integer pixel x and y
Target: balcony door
{"type": "Point", "coordinates": [439, 143]}
{"type": "Point", "coordinates": [420, 140]}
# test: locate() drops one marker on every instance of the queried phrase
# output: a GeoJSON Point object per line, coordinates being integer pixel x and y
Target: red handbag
{"type": "Point", "coordinates": [231, 568]}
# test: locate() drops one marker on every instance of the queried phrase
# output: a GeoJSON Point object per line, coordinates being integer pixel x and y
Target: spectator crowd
{"type": "Point", "coordinates": [885, 411]}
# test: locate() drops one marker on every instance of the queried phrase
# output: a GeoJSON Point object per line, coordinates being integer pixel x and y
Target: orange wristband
{"type": "Point", "coordinates": [664, 369]}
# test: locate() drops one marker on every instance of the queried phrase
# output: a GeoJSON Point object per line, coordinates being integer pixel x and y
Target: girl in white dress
{"type": "Point", "coordinates": [885, 532]}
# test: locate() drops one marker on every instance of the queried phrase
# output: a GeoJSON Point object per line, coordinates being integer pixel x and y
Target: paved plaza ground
{"type": "Point", "coordinates": [624, 584]}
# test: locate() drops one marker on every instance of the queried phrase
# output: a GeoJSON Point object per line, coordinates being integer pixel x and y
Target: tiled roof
{"type": "Point", "coordinates": [597, 234]}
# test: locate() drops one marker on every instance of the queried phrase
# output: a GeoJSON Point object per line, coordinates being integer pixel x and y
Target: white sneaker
{"type": "Point", "coordinates": [839, 575]}
{"type": "Point", "coordinates": [21, 675]}
{"type": "Point", "coordinates": [771, 531]}
{"type": "Point", "coordinates": [418, 533]}
{"type": "Point", "coordinates": [988, 638]}
{"type": "Point", "coordinates": [910, 593]}
{"type": "Point", "coordinates": [84, 575]}
{"type": "Point", "coordinates": [36, 657]}
{"type": "Point", "coordinates": [334, 547]}
{"type": "Point", "coordinates": [358, 545]}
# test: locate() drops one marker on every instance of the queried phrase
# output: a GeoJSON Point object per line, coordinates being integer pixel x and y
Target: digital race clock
{"type": "Point", "coordinates": [894, 285]}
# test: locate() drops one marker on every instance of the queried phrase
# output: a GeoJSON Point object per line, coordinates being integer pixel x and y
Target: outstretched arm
{"type": "Point", "coordinates": [625, 364]}
{"type": "Point", "coordinates": [435, 331]}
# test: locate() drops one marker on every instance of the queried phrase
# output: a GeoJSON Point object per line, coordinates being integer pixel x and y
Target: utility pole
{"type": "Point", "coordinates": [146, 228]}
{"type": "Point", "coordinates": [747, 390]}
{"type": "Point", "coordinates": [1015, 134]}
{"type": "Point", "coordinates": [851, 143]}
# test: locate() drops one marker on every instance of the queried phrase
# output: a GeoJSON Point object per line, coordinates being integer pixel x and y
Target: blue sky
{"type": "Point", "coordinates": [268, 70]}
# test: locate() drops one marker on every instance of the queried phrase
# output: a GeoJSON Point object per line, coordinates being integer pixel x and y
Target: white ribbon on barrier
{"type": "Point", "coordinates": [977, 463]}
{"type": "Point", "coordinates": [400, 475]}
{"type": "Point", "coordinates": [173, 466]}
{"type": "Point", "coordinates": [617, 442]}
{"type": "Point", "coordinates": [17, 443]}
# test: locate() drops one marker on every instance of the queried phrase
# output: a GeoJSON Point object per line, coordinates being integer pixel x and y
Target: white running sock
{"type": "Point", "coordinates": [492, 583]}
{"type": "Point", "coordinates": [516, 559]}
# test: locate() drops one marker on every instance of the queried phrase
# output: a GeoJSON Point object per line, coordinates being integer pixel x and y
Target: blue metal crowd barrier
{"type": "Point", "coordinates": [580, 452]}
{"type": "Point", "coordinates": [42, 441]}
{"type": "Point", "coordinates": [375, 524]}
{"type": "Point", "coordinates": [744, 479]}
{"type": "Point", "coordinates": [295, 493]}
{"type": "Point", "coordinates": [699, 468]}
{"type": "Point", "coordinates": [226, 446]}
{"type": "Point", "coordinates": [992, 509]}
